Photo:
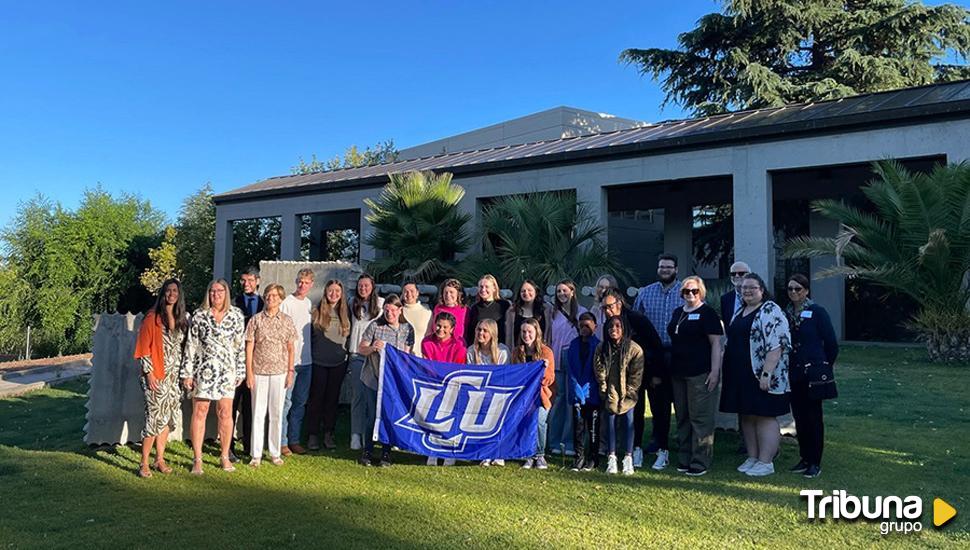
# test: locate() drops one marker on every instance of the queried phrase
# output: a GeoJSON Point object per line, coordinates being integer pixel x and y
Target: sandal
{"type": "Point", "coordinates": [254, 463]}
{"type": "Point", "coordinates": [162, 467]}
{"type": "Point", "coordinates": [227, 465]}
{"type": "Point", "coordinates": [277, 461]}
{"type": "Point", "coordinates": [197, 467]}
{"type": "Point", "coordinates": [144, 471]}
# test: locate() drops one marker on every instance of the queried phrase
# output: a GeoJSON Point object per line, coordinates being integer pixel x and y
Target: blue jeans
{"type": "Point", "coordinates": [543, 424]}
{"type": "Point", "coordinates": [627, 421]}
{"type": "Point", "coordinates": [294, 408]}
{"type": "Point", "coordinates": [560, 415]}
{"type": "Point", "coordinates": [358, 395]}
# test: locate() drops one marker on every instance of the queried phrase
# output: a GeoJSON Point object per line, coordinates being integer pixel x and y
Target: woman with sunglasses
{"type": "Point", "coordinates": [814, 349]}
{"type": "Point", "coordinates": [756, 374]}
{"type": "Point", "coordinates": [695, 366]}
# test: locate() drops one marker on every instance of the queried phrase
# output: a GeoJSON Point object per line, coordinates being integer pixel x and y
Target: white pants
{"type": "Point", "coordinates": [268, 395]}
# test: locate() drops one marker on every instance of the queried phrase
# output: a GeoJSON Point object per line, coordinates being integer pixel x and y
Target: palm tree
{"type": "Point", "coordinates": [417, 226]}
{"type": "Point", "coordinates": [545, 237]}
{"type": "Point", "coordinates": [917, 242]}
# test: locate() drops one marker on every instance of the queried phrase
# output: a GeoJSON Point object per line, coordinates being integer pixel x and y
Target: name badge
{"type": "Point", "coordinates": [693, 316]}
{"type": "Point", "coordinates": [807, 314]}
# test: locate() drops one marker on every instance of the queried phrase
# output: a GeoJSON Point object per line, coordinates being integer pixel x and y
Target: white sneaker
{"type": "Point", "coordinates": [747, 464]}
{"type": "Point", "coordinates": [637, 457]}
{"type": "Point", "coordinates": [661, 461]}
{"type": "Point", "coordinates": [448, 462]}
{"type": "Point", "coordinates": [498, 462]}
{"type": "Point", "coordinates": [432, 461]}
{"type": "Point", "coordinates": [611, 464]}
{"type": "Point", "coordinates": [355, 443]}
{"type": "Point", "coordinates": [485, 463]}
{"type": "Point", "coordinates": [761, 469]}
{"type": "Point", "coordinates": [628, 465]}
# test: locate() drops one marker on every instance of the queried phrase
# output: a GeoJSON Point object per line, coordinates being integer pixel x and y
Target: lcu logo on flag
{"type": "Point", "coordinates": [469, 412]}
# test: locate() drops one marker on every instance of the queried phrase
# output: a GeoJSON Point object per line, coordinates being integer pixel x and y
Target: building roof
{"type": "Point", "coordinates": [556, 123]}
{"type": "Point", "coordinates": [892, 108]}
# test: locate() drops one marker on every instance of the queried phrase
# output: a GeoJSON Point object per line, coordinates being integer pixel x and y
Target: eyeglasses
{"type": "Point", "coordinates": [738, 273]}
{"type": "Point", "coordinates": [795, 289]}
{"type": "Point", "coordinates": [750, 288]}
{"type": "Point", "coordinates": [686, 291]}
{"type": "Point", "coordinates": [610, 305]}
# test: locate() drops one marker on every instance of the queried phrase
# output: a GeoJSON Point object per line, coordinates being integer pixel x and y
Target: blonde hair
{"type": "Point", "coordinates": [495, 288]}
{"type": "Point", "coordinates": [274, 287]}
{"type": "Point", "coordinates": [225, 305]}
{"type": "Point", "coordinates": [323, 311]}
{"type": "Point", "coordinates": [492, 328]}
{"type": "Point", "coordinates": [700, 285]}
{"type": "Point", "coordinates": [305, 273]}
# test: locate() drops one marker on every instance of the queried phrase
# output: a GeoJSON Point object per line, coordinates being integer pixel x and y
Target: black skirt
{"type": "Point", "coordinates": [740, 391]}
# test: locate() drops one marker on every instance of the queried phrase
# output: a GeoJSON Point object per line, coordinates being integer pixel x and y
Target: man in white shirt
{"type": "Point", "coordinates": [298, 307]}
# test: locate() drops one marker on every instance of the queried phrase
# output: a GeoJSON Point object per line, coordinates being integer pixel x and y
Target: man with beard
{"type": "Point", "coordinates": [657, 302]}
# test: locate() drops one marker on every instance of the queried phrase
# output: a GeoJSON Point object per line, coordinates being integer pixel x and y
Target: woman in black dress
{"type": "Point", "coordinates": [756, 374]}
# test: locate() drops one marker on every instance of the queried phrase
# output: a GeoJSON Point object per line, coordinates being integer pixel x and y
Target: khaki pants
{"type": "Point", "coordinates": [695, 407]}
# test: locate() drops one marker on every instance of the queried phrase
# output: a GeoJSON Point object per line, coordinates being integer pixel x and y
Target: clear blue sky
{"type": "Point", "coordinates": [157, 98]}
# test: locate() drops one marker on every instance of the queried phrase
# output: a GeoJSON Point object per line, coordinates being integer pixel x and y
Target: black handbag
{"type": "Point", "coordinates": [821, 381]}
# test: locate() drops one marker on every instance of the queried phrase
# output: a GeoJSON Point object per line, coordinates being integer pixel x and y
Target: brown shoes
{"type": "Point", "coordinates": [295, 448]}
{"type": "Point", "coordinates": [285, 450]}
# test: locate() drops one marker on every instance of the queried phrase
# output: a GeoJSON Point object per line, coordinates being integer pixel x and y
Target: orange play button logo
{"type": "Point", "coordinates": [942, 512]}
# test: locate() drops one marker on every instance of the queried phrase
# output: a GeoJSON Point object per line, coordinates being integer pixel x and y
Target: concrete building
{"type": "Point", "coordinates": [740, 181]}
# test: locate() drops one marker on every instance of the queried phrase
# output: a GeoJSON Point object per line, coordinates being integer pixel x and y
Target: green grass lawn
{"type": "Point", "coordinates": [900, 427]}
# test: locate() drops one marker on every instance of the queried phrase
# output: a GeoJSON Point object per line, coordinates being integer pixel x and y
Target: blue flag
{"type": "Point", "coordinates": [467, 412]}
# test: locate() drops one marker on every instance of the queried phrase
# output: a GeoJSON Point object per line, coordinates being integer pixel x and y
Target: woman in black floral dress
{"type": "Point", "coordinates": [214, 364]}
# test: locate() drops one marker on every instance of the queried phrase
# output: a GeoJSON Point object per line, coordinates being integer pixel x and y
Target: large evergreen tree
{"type": "Point", "coordinates": [767, 53]}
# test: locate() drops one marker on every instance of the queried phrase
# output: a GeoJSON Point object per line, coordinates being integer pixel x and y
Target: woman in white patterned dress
{"type": "Point", "coordinates": [214, 364]}
{"type": "Point", "coordinates": [159, 351]}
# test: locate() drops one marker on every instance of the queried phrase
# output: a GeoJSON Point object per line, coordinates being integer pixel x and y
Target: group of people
{"type": "Point", "coordinates": [280, 358]}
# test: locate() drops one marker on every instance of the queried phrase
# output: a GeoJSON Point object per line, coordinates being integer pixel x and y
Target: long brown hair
{"type": "Point", "coordinates": [178, 309]}
{"type": "Point", "coordinates": [322, 313]}
{"type": "Point", "coordinates": [519, 303]}
{"type": "Point", "coordinates": [572, 311]}
{"type": "Point", "coordinates": [359, 305]}
{"type": "Point", "coordinates": [520, 349]}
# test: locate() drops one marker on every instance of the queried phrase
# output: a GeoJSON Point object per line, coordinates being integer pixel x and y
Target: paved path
{"type": "Point", "coordinates": [32, 378]}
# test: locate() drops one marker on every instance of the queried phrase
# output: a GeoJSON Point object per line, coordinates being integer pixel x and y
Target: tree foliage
{"type": "Point", "coordinates": [381, 153]}
{"type": "Point", "coordinates": [418, 226]}
{"type": "Point", "coordinates": [195, 243]}
{"type": "Point", "coordinates": [917, 242]}
{"type": "Point", "coordinates": [70, 265]}
{"type": "Point", "coordinates": [254, 240]}
{"type": "Point", "coordinates": [164, 260]}
{"type": "Point", "coordinates": [545, 237]}
{"type": "Point", "coordinates": [768, 53]}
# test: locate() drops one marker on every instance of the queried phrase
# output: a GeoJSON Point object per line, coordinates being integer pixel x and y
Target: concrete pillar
{"type": "Point", "coordinates": [828, 292]}
{"type": "Point", "coordinates": [367, 252]}
{"type": "Point", "coordinates": [222, 256]}
{"type": "Point", "coordinates": [594, 196]}
{"type": "Point", "coordinates": [753, 235]}
{"type": "Point", "coordinates": [290, 237]}
{"type": "Point", "coordinates": [678, 236]}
